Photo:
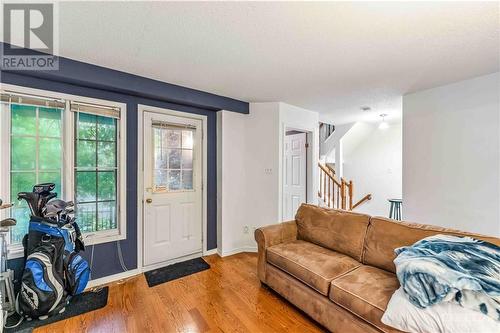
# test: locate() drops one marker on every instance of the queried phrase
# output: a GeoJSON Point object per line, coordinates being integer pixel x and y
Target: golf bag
{"type": "Point", "coordinates": [54, 271]}
{"type": "Point", "coordinates": [42, 288]}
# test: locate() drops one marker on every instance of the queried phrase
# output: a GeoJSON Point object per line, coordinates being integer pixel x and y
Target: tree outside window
{"type": "Point", "coordinates": [95, 172]}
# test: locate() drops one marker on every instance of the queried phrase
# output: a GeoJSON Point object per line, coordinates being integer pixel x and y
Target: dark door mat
{"type": "Point", "coordinates": [85, 302]}
{"type": "Point", "coordinates": [175, 271]}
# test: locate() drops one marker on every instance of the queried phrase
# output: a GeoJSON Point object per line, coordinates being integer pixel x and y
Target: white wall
{"type": "Point", "coordinates": [247, 146]}
{"type": "Point", "coordinates": [262, 167]}
{"type": "Point", "coordinates": [451, 155]}
{"type": "Point", "coordinates": [249, 154]}
{"type": "Point", "coordinates": [231, 179]}
{"type": "Point", "coordinates": [373, 161]}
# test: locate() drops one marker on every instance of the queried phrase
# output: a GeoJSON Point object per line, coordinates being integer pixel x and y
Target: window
{"type": "Point", "coordinates": [36, 156]}
{"type": "Point", "coordinates": [73, 142]}
{"type": "Point", "coordinates": [173, 157]}
{"type": "Point", "coordinates": [95, 172]}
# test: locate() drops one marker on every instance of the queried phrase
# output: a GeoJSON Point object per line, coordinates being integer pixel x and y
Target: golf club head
{"type": "Point", "coordinates": [56, 204]}
{"type": "Point", "coordinates": [45, 198]}
{"type": "Point", "coordinates": [44, 188]}
{"type": "Point", "coordinates": [69, 210]}
{"type": "Point", "coordinates": [9, 222]}
{"type": "Point", "coordinates": [51, 211]}
{"type": "Point", "coordinates": [50, 215]}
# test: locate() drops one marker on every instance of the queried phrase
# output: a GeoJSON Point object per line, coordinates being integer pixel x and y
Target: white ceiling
{"type": "Point", "coordinates": [325, 56]}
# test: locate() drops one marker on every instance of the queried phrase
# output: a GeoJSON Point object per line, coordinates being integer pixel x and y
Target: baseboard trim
{"type": "Point", "coordinates": [113, 278]}
{"type": "Point", "coordinates": [210, 252]}
{"type": "Point", "coordinates": [237, 250]}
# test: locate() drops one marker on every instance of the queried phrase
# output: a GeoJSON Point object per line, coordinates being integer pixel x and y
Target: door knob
{"type": "Point", "coordinates": [149, 200]}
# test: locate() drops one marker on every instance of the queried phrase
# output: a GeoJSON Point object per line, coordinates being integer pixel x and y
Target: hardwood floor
{"type": "Point", "coordinates": [226, 298]}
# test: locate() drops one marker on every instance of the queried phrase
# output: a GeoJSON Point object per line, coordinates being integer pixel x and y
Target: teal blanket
{"type": "Point", "coordinates": [445, 268]}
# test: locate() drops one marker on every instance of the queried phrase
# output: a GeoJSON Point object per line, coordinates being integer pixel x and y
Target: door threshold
{"type": "Point", "coordinates": [196, 254]}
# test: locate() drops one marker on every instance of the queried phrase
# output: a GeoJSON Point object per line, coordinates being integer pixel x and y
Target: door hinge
{"type": "Point", "coordinates": [307, 145]}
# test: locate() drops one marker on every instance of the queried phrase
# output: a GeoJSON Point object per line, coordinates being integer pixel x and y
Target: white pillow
{"type": "Point", "coordinates": [445, 317]}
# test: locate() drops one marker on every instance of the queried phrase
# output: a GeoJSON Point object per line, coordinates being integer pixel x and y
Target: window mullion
{"type": "Point", "coordinates": [96, 173]}
{"type": "Point", "coordinates": [68, 182]}
{"type": "Point", "coordinates": [37, 143]}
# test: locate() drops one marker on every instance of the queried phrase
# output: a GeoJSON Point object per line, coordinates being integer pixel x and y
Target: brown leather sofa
{"type": "Point", "coordinates": [337, 266]}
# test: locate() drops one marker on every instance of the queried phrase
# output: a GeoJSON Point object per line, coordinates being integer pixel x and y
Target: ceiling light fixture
{"type": "Point", "coordinates": [383, 125]}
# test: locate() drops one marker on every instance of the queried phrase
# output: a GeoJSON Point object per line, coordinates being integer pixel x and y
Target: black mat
{"type": "Point", "coordinates": [175, 271]}
{"type": "Point", "coordinates": [86, 302]}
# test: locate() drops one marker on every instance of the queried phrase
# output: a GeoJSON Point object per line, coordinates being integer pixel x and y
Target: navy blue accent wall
{"type": "Point", "coordinates": [97, 77]}
{"type": "Point", "coordinates": [105, 259]}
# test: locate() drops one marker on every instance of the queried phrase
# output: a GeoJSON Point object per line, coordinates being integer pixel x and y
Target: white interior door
{"type": "Point", "coordinates": [172, 187]}
{"type": "Point", "coordinates": [294, 174]}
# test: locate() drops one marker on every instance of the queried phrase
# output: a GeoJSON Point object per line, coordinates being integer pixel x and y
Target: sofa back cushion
{"type": "Point", "coordinates": [336, 230]}
{"type": "Point", "coordinates": [385, 235]}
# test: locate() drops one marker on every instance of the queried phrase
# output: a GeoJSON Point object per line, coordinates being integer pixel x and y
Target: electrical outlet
{"type": "Point", "coordinates": [246, 229]}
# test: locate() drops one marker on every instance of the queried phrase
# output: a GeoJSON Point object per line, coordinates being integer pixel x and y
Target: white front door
{"type": "Point", "coordinates": [294, 174]}
{"type": "Point", "coordinates": [172, 187]}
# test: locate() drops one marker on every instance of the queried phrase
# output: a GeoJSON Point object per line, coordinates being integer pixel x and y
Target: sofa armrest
{"type": "Point", "coordinates": [269, 236]}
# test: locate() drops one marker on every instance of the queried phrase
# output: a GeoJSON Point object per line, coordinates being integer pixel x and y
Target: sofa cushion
{"type": "Point", "coordinates": [365, 292]}
{"type": "Point", "coordinates": [337, 230]}
{"type": "Point", "coordinates": [310, 263]}
{"type": "Point", "coordinates": [385, 235]}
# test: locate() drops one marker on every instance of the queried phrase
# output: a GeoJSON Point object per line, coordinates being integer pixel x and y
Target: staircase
{"type": "Point", "coordinates": [337, 194]}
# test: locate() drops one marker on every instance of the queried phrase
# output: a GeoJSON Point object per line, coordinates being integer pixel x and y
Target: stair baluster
{"type": "Point", "coordinates": [337, 194]}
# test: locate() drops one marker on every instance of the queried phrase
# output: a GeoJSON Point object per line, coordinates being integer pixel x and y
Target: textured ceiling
{"type": "Point", "coordinates": [324, 56]}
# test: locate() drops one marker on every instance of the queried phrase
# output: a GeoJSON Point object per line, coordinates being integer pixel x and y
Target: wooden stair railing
{"type": "Point", "coordinates": [365, 198]}
{"type": "Point", "coordinates": [335, 193]}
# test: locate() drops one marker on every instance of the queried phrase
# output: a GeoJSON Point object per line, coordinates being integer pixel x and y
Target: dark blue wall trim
{"type": "Point", "coordinates": [105, 255]}
{"type": "Point", "coordinates": [97, 77]}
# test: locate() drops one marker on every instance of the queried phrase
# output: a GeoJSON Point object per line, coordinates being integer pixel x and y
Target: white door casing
{"type": "Point", "coordinates": [172, 190]}
{"type": "Point", "coordinates": [294, 174]}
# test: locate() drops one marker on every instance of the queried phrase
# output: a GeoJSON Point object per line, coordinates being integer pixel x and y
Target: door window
{"type": "Point", "coordinates": [173, 158]}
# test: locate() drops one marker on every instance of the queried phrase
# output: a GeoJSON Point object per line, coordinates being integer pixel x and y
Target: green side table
{"type": "Point", "coordinates": [395, 212]}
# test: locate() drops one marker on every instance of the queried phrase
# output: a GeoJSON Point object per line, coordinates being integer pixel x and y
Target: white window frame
{"type": "Point", "coordinates": [68, 170]}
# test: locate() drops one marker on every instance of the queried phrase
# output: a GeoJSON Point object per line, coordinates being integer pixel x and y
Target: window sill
{"type": "Point", "coordinates": [17, 251]}
{"type": "Point", "coordinates": [103, 237]}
